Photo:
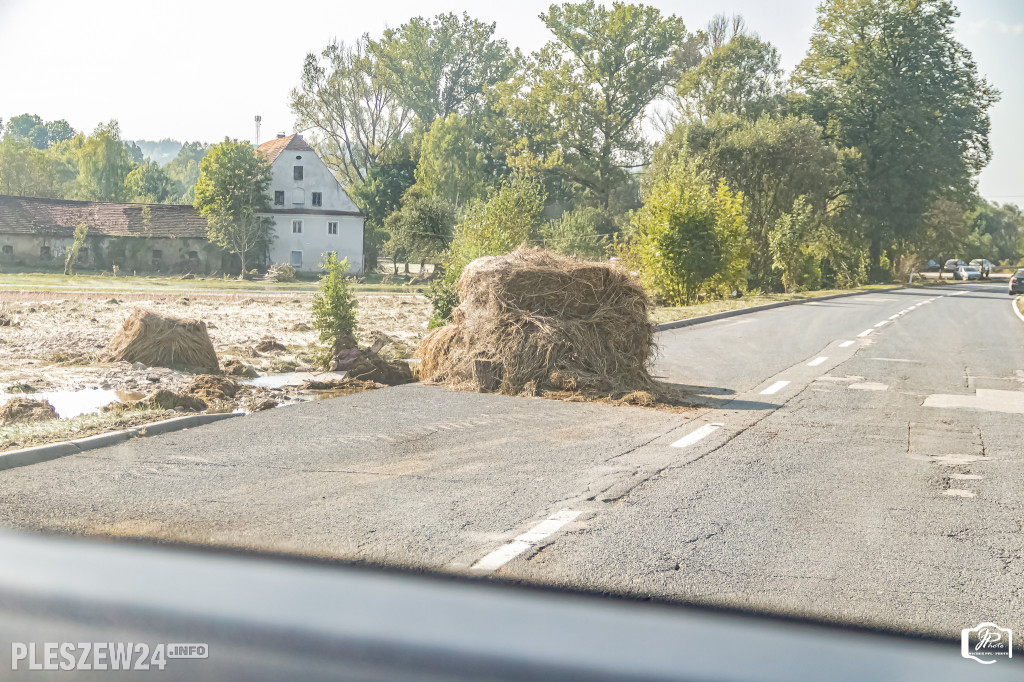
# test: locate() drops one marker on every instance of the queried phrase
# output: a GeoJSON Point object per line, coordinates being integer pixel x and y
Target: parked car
{"type": "Point", "coordinates": [983, 265]}
{"type": "Point", "coordinates": [1017, 282]}
{"type": "Point", "coordinates": [952, 265]}
{"type": "Point", "coordinates": [967, 272]}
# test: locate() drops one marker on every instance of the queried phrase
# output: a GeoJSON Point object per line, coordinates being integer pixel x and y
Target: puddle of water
{"type": "Point", "coordinates": [76, 403]}
{"type": "Point", "coordinates": [293, 379]}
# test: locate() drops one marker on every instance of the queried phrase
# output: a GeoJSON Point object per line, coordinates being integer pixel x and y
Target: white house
{"type": "Point", "coordinates": [312, 213]}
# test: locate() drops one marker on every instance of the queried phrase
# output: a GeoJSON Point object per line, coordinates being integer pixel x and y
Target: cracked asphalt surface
{"type": "Point", "coordinates": [838, 496]}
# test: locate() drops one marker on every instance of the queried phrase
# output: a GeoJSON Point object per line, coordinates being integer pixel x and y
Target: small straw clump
{"type": "Point", "coordinates": [533, 321]}
{"type": "Point", "coordinates": [158, 340]}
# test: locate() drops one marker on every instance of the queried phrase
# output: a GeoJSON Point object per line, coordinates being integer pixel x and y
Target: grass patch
{"type": "Point", "coordinates": [22, 435]}
{"type": "Point", "coordinates": [671, 314]}
{"type": "Point", "coordinates": [47, 281]}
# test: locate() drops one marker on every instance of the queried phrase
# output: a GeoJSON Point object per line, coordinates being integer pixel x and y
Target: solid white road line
{"type": "Point", "coordinates": [847, 344]}
{"type": "Point", "coordinates": [817, 361]}
{"type": "Point", "coordinates": [775, 388]}
{"type": "Point", "coordinates": [702, 432]}
{"type": "Point", "coordinates": [865, 333]}
{"type": "Point", "coordinates": [511, 550]}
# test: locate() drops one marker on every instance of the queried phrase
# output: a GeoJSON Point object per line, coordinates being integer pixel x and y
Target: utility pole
{"type": "Point", "coordinates": [259, 119]}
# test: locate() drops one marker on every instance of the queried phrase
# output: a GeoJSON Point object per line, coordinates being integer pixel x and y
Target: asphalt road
{"type": "Point", "coordinates": [857, 459]}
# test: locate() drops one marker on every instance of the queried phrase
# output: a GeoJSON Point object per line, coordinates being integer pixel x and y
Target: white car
{"type": "Point", "coordinates": [968, 272]}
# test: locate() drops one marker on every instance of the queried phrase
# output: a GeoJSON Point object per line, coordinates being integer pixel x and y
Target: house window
{"type": "Point", "coordinates": [297, 172]}
{"type": "Point", "coordinates": [279, 198]}
{"type": "Point", "coordinates": [83, 255]}
{"type": "Point", "coordinates": [318, 198]}
{"type": "Point", "coordinates": [193, 255]}
{"type": "Point", "coordinates": [158, 254]}
{"type": "Point", "coordinates": [296, 227]}
{"type": "Point", "coordinates": [44, 253]}
{"type": "Point", "coordinates": [296, 259]}
{"type": "Point", "coordinates": [8, 250]}
{"type": "Point", "coordinates": [332, 228]}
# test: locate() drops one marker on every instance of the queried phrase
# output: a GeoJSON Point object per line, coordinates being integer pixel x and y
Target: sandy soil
{"type": "Point", "coordinates": [56, 341]}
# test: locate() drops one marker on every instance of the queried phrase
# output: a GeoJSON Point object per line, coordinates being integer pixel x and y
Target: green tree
{"type": "Point", "coordinates": [421, 229]}
{"type": "Point", "coordinates": [690, 237]}
{"type": "Point", "coordinates": [334, 307]}
{"type": "Point", "coordinates": [350, 103]}
{"type": "Point", "coordinates": [27, 171]}
{"type": "Point", "coordinates": [184, 169]}
{"type": "Point", "coordinates": [443, 66]}
{"type": "Point", "coordinates": [103, 165]}
{"type": "Point", "coordinates": [379, 195]}
{"type": "Point", "coordinates": [789, 239]}
{"type": "Point", "coordinates": [742, 77]}
{"type": "Point", "coordinates": [59, 131]}
{"type": "Point", "coordinates": [71, 258]}
{"type": "Point", "coordinates": [450, 164]}
{"type": "Point", "coordinates": [581, 232]}
{"type": "Point", "coordinates": [28, 128]}
{"type": "Point", "coordinates": [1003, 225]}
{"type": "Point", "coordinates": [772, 161]}
{"type": "Point", "coordinates": [585, 93]}
{"type": "Point", "coordinates": [231, 193]}
{"type": "Point", "coordinates": [889, 79]}
{"type": "Point", "coordinates": [148, 183]}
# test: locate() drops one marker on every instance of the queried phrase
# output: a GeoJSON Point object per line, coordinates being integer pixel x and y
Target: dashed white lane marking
{"type": "Point", "coordinates": [893, 317]}
{"type": "Point", "coordinates": [847, 344]}
{"type": "Point", "coordinates": [882, 323]}
{"type": "Point", "coordinates": [966, 477]}
{"type": "Point", "coordinates": [775, 388]}
{"type": "Point", "coordinates": [865, 333]}
{"type": "Point", "coordinates": [817, 361]}
{"type": "Point", "coordinates": [693, 437]}
{"type": "Point", "coordinates": [511, 550]}
{"type": "Point", "coordinates": [869, 386]}
{"type": "Point", "coordinates": [953, 492]}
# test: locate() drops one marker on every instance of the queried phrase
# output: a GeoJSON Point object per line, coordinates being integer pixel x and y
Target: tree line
{"type": "Point", "coordinates": [51, 159]}
{"type": "Point", "coordinates": [860, 165]}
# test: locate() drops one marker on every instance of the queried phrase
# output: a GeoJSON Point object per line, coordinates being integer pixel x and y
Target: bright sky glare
{"type": "Point", "coordinates": [201, 69]}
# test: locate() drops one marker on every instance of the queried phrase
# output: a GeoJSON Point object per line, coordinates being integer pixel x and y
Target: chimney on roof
{"type": "Point", "coordinates": [280, 135]}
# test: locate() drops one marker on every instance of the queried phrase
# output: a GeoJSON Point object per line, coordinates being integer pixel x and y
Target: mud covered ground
{"type": "Point", "coordinates": [52, 345]}
{"type": "Point", "coordinates": [56, 341]}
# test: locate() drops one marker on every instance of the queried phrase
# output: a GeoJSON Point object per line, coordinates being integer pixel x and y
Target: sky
{"type": "Point", "coordinates": [202, 69]}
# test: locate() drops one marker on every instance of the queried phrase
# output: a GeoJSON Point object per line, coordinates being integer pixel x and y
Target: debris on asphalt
{"type": "Point", "coordinates": [154, 339]}
{"type": "Point", "coordinates": [26, 410]}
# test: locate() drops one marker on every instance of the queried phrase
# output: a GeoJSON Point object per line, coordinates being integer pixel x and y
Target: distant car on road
{"type": "Point", "coordinates": [967, 272]}
{"type": "Point", "coordinates": [1017, 282]}
{"type": "Point", "coordinates": [983, 265]}
{"type": "Point", "coordinates": [952, 265]}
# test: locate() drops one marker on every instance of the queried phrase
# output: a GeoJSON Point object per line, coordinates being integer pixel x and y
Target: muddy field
{"type": "Point", "coordinates": [55, 342]}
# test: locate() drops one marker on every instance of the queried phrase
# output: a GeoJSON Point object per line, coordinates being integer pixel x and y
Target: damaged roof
{"type": "Point", "coordinates": [58, 218]}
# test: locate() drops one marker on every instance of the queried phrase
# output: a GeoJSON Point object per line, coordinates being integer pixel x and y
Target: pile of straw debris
{"type": "Point", "coordinates": [533, 322]}
{"type": "Point", "coordinates": [161, 341]}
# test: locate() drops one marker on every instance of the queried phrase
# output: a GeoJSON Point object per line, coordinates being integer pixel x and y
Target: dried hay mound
{"type": "Point", "coordinates": [160, 400]}
{"type": "Point", "coordinates": [26, 410]}
{"type": "Point", "coordinates": [158, 340]}
{"type": "Point", "coordinates": [208, 387]}
{"type": "Point", "coordinates": [533, 321]}
{"type": "Point", "coordinates": [269, 345]}
{"type": "Point", "coordinates": [237, 368]}
{"type": "Point", "coordinates": [280, 272]}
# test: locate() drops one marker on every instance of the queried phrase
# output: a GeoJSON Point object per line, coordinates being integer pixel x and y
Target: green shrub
{"type": "Point", "coordinates": [334, 306]}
